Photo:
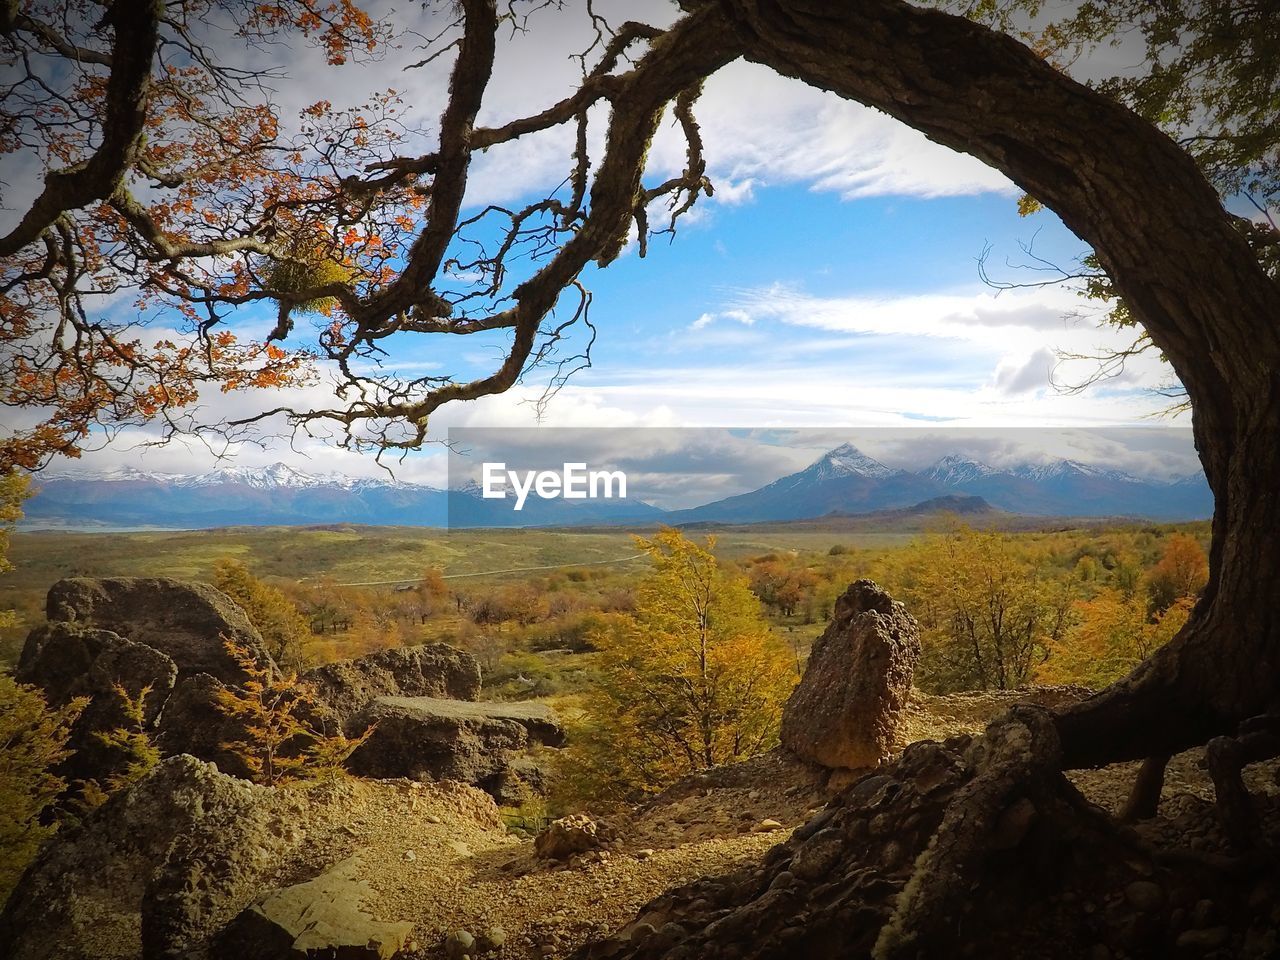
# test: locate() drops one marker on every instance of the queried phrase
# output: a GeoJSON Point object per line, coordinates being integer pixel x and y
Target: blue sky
{"type": "Point", "coordinates": [833, 281]}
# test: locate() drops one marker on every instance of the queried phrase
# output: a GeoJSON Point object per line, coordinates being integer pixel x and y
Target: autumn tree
{"type": "Point", "coordinates": [283, 628]}
{"type": "Point", "coordinates": [989, 615]}
{"type": "Point", "coordinates": [692, 679]}
{"type": "Point", "coordinates": [14, 489]}
{"type": "Point", "coordinates": [782, 585]}
{"type": "Point", "coordinates": [1109, 635]}
{"type": "Point", "coordinates": [1180, 574]}
{"type": "Point", "coordinates": [285, 734]}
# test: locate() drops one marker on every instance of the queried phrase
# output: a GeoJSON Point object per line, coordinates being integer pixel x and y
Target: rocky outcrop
{"type": "Point", "coordinates": [188, 622]}
{"type": "Point", "coordinates": [847, 707]}
{"type": "Point", "coordinates": [568, 837]}
{"type": "Point", "coordinates": [431, 670]}
{"type": "Point", "coordinates": [320, 919]}
{"type": "Point", "coordinates": [155, 871]}
{"type": "Point", "coordinates": [193, 723]}
{"type": "Point", "coordinates": [70, 660]}
{"type": "Point", "coordinates": [426, 738]}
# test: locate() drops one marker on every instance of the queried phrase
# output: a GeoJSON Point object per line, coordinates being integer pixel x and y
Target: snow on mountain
{"type": "Point", "coordinates": [954, 469]}
{"type": "Point", "coordinates": [1058, 469]}
{"type": "Point", "coordinates": [847, 460]}
{"type": "Point", "coordinates": [277, 476]}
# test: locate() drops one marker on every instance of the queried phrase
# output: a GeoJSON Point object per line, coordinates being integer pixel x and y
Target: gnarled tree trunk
{"type": "Point", "coordinates": [1160, 231]}
{"type": "Point", "coordinates": [983, 847]}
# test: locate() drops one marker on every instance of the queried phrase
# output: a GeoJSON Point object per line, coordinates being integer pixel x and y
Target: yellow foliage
{"type": "Point", "coordinates": [1182, 572]}
{"type": "Point", "coordinates": [34, 741]}
{"type": "Point", "coordinates": [281, 743]}
{"type": "Point", "coordinates": [283, 629]}
{"type": "Point", "coordinates": [14, 488]}
{"type": "Point", "coordinates": [692, 679]}
{"type": "Point", "coordinates": [988, 615]}
{"type": "Point", "coordinates": [1111, 636]}
{"type": "Point", "coordinates": [131, 742]}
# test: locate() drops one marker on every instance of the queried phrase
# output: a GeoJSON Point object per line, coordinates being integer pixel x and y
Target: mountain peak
{"type": "Point", "coordinates": [1057, 469]}
{"type": "Point", "coordinates": [847, 460]}
{"type": "Point", "coordinates": [956, 468]}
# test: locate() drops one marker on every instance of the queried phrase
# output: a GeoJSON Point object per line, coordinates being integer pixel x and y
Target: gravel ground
{"type": "Point", "coordinates": [439, 855]}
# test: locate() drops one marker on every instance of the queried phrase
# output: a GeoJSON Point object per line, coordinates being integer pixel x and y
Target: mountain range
{"type": "Point", "coordinates": [843, 481]}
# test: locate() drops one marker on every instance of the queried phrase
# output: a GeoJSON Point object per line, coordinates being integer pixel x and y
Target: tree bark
{"type": "Point", "coordinates": [1161, 233]}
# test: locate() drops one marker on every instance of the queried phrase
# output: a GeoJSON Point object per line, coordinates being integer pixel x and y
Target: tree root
{"type": "Point", "coordinates": [975, 846]}
{"type": "Point", "coordinates": [1144, 800]}
{"type": "Point", "coordinates": [1226, 758]}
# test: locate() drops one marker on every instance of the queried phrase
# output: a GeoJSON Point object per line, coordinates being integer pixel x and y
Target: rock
{"type": "Point", "coordinates": [425, 738]}
{"type": "Point", "coordinates": [432, 670]}
{"type": "Point", "coordinates": [818, 856]}
{"type": "Point", "coordinates": [846, 709]}
{"type": "Point", "coordinates": [459, 945]}
{"type": "Point", "coordinates": [568, 837]}
{"type": "Point", "coordinates": [491, 940]}
{"type": "Point", "coordinates": [766, 826]}
{"type": "Point", "coordinates": [185, 849]}
{"type": "Point", "coordinates": [185, 621]}
{"type": "Point", "coordinates": [70, 660]}
{"type": "Point", "coordinates": [193, 723]}
{"type": "Point", "coordinates": [317, 920]}
{"type": "Point", "coordinates": [1202, 941]}
{"type": "Point", "coordinates": [1144, 895]}
{"type": "Point", "coordinates": [520, 780]}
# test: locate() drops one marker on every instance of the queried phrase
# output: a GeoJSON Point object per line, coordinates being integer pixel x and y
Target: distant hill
{"type": "Point", "coordinates": [951, 503]}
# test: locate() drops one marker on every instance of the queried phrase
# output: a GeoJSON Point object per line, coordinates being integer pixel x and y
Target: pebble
{"type": "Point", "coordinates": [1144, 895]}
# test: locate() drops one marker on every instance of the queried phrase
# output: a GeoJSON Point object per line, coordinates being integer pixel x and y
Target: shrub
{"type": "Point", "coordinates": [281, 742]}
{"type": "Point", "coordinates": [34, 741]}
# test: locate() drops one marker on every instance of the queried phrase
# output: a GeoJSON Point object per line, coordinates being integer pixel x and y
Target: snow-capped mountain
{"type": "Point", "coordinates": [842, 481]}
{"type": "Point", "coordinates": [280, 495]}
{"type": "Point", "coordinates": [846, 460]}
{"type": "Point", "coordinates": [277, 476]}
{"type": "Point", "coordinates": [954, 469]}
{"type": "Point", "coordinates": [847, 481]}
{"type": "Point", "coordinates": [1059, 469]}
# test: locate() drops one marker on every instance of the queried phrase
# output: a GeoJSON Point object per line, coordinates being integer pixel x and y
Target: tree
{"type": "Point", "coordinates": [1180, 574]}
{"type": "Point", "coordinates": [693, 679]}
{"type": "Point", "coordinates": [283, 628]}
{"type": "Point", "coordinates": [782, 585]}
{"type": "Point", "coordinates": [14, 488]}
{"type": "Point", "coordinates": [33, 742]}
{"type": "Point", "coordinates": [1111, 634]}
{"type": "Point", "coordinates": [199, 223]}
{"type": "Point", "coordinates": [988, 615]}
{"type": "Point", "coordinates": [282, 739]}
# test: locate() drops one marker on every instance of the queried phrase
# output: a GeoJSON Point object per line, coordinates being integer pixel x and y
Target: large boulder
{"type": "Point", "coordinates": [155, 871]}
{"type": "Point", "coordinates": [847, 707]}
{"type": "Point", "coordinates": [426, 738]}
{"type": "Point", "coordinates": [189, 622]}
{"type": "Point", "coordinates": [193, 723]}
{"type": "Point", "coordinates": [320, 919]}
{"type": "Point", "coordinates": [431, 670]}
{"type": "Point", "coordinates": [70, 660]}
